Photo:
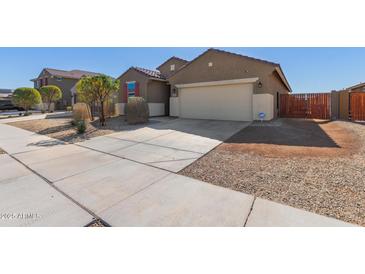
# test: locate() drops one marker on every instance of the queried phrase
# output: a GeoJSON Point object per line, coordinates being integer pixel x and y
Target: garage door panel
{"type": "Point", "coordinates": [223, 102]}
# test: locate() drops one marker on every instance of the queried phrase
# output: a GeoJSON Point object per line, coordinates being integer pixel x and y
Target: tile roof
{"type": "Point", "coordinates": [151, 73]}
{"type": "Point", "coordinates": [74, 74]}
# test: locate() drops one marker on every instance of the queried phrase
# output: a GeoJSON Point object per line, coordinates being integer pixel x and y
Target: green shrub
{"type": "Point", "coordinates": [50, 94]}
{"type": "Point", "coordinates": [137, 110]}
{"type": "Point", "coordinates": [81, 127]}
{"type": "Point", "coordinates": [26, 98]}
{"type": "Point", "coordinates": [69, 108]}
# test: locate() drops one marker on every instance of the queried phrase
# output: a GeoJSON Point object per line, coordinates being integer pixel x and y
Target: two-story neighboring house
{"type": "Point", "coordinates": [65, 80]}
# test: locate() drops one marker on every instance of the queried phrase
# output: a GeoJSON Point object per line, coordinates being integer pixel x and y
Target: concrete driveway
{"type": "Point", "coordinates": [171, 145]}
{"type": "Point", "coordinates": [127, 179]}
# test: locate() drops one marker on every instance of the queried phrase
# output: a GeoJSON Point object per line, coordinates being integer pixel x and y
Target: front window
{"type": "Point", "coordinates": [131, 89]}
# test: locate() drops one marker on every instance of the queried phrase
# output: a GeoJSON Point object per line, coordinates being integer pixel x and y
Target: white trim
{"type": "Point", "coordinates": [219, 83]}
{"type": "Point", "coordinates": [174, 106]}
{"type": "Point", "coordinates": [156, 109]}
{"type": "Point", "coordinates": [119, 108]}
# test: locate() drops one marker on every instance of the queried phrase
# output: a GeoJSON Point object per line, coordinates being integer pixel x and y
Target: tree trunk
{"type": "Point", "coordinates": [91, 111]}
{"type": "Point", "coordinates": [49, 106]}
{"type": "Point", "coordinates": [102, 117]}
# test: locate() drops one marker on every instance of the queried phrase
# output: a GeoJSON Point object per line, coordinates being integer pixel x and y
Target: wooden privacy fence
{"type": "Point", "coordinates": [357, 106]}
{"type": "Point", "coordinates": [305, 105]}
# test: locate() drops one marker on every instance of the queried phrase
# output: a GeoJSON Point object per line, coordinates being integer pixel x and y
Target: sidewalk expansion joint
{"type": "Point", "coordinates": [249, 213]}
{"type": "Point", "coordinates": [96, 217]}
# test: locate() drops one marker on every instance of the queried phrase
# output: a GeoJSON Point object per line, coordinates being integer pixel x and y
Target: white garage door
{"type": "Point", "coordinates": [218, 102]}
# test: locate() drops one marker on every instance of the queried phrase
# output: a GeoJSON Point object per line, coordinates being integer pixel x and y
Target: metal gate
{"type": "Point", "coordinates": [305, 105]}
{"type": "Point", "coordinates": [357, 106]}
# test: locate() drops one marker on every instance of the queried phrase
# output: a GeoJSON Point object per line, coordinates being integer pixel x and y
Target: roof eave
{"type": "Point", "coordinates": [283, 78]}
{"type": "Point", "coordinates": [173, 57]}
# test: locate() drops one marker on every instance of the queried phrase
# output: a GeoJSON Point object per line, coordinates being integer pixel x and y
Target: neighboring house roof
{"type": "Point", "coordinates": [357, 86]}
{"type": "Point", "coordinates": [175, 58]}
{"type": "Point", "coordinates": [5, 93]}
{"type": "Point", "coordinates": [276, 65]}
{"type": "Point", "coordinates": [71, 74]}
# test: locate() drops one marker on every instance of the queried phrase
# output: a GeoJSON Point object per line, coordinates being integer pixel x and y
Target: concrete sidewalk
{"type": "Point", "coordinates": [71, 182]}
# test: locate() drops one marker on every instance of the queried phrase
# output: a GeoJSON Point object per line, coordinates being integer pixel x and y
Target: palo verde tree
{"type": "Point", "coordinates": [50, 94]}
{"type": "Point", "coordinates": [85, 92]}
{"type": "Point", "coordinates": [26, 98]}
{"type": "Point", "coordinates": [98, 89]}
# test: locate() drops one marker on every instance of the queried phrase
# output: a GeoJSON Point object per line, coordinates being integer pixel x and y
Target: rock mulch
{"type": "Point", "coordinates": [62, 129]}
{"type": "Point", "coordinates": [326, 177]}
{"type": "Point", "coordinates": [97, 223]}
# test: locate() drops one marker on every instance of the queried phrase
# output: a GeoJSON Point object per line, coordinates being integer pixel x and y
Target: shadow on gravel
{"type": "Point", "coordinates": [289, 132]}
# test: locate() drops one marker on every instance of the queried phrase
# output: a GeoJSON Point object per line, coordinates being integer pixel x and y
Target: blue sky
{"type": "Point", "coordinates": [307, 69]}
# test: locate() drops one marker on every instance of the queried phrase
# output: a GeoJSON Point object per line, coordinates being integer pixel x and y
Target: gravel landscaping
{"type": "Point", "coordinates": [313, 165]}
{"type": "Point", "coordinates": [62, 129]}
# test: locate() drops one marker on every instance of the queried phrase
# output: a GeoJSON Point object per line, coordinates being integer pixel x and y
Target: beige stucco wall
{"type": "Point", "coordinates": [132, 75]}
{"type": "Point", "coordinates": [153, 91]}
{"type": "Point", "coordinates": [221, 102]}
{"type": "Point", "coordinates": [226, 66]}
{"type": "Point", "coordinates": [158, 92]}
{"type": "Point", "coordinates": [263, 103]}
{"type": "Point", "coordinates": [165, 69]}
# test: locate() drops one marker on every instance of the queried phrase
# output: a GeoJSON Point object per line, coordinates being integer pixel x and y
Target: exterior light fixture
{"type": "Point", "coordinates": [259, 84]}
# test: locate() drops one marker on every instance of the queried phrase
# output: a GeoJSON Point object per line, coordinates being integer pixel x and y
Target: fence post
{"type": "Point", "coordinates": [334, 110]}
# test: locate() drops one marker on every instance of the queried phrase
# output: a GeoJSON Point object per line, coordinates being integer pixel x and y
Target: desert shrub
{"type": "Point", "coordinates": [81, 126]}
{"type": "Point", "coordinates": [26, 98]}
{"type": "Point", "coordinates": [137, 110]}
{"type": "Point", "coordinates": [81, 112]}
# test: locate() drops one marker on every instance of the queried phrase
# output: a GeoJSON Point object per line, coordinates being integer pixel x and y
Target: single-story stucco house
{"type": "Point", "coordinates": [215, 85]}
{"type": "Point", "coordinates": [152, 85]}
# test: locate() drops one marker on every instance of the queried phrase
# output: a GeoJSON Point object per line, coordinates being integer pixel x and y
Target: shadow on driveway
{"type": "Point", "coordinates": [288, 132]}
